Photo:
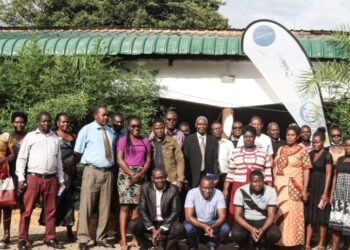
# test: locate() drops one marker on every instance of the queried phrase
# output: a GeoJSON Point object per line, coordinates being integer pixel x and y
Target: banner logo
{"type": "Point", "coordinates": [310, 113]}
{"type": "Point", "coordinates": [264, 35]}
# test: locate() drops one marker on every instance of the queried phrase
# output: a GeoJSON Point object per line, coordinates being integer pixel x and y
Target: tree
{"type": "Point", "coordinates": [35, 82]}
{"type": "Point", "coordinates": [139, 13]}
{"type": "Point", "coordinates": [333, 79]}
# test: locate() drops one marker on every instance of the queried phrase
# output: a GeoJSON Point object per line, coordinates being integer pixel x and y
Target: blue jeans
{"type": "Point", "coordinates": [220, 234]}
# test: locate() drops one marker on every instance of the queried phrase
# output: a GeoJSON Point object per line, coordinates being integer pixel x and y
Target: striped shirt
{"type": "Point", "coordinates": [242, 160]}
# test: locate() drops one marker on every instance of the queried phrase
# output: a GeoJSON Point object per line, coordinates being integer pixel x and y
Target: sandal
{"type": "Point", "coordinates": [321, 248]}
{"type": "Point", "coordinates": [123, 247]}
{"type": "Point", "coordinates": [307, 248]}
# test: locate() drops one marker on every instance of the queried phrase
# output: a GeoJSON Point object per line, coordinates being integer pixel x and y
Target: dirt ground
{"type": "Point", "coordinates": [36, 234]}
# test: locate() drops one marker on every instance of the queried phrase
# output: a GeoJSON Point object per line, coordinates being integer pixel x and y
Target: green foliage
{"type": "Point", "coordinates": [333, 79]}
{"type": "Point", "coordinates": [76, 105]}
{"type": "Point", "coordinates": [35, 82]}
{"type": "Point", "coordinates": [340, 114]}
{"type": "Point", "coordinates": [138, 13]}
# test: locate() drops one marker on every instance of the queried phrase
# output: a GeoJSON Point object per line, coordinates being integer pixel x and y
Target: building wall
{"type": "Point", "coordinates": [196, 87]}
{"type": "Point", "coordinates": [201, 82]}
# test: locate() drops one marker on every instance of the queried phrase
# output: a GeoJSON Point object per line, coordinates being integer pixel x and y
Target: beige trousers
{"type": "Point", "coordinates": [96, 187]}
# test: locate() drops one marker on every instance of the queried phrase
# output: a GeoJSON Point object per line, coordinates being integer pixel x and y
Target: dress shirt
{"type": "Point", "coordinates": [202, 138]}
{"type": "Point", "coordinates": [158, 217]}
{"type": "Point", "coordinates": [262, 141]}
{"type": "Point", "coordinates": [41, 153]}
{"type": "Point", "coordinates": [199, 136]}
{"type": "Point", "coordinates": [90, 145]}
{"type": "Point", "coordinates": [159, 194]}
{"type": "Point", "coordinates": [225, 150]}
{"type": "Point", "coordinates": [234, 141]}
{"type": "Point", "coordinates": [177, 135]}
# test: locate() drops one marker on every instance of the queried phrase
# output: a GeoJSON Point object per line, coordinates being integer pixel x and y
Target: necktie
{"type": "Point", "coordinates": [202, 146]}
{"type": "Point", "coordinates": [108, 151]}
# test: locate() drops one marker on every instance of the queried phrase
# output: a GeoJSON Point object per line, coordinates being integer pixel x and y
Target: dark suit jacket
{"type": "Point", "coordinates": [170, 204]}
{"type": "Point", "coordinates": [193, 158]}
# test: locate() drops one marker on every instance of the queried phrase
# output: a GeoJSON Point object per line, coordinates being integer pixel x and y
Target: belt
{"type": "Point", "coordinates": [44, 176]}
{"type": "Point", "coordinates": [100, 169]}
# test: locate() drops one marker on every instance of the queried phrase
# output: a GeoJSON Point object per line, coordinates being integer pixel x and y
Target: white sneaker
{"type": "Point", "coordinates": [3, 245]}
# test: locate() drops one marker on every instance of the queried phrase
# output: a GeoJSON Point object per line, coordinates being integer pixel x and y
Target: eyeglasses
{"type": "Point", "coordinates": [171, 119]}
{"type": "Point", "coordinates": [135, 126]}
{"type": "Point", "coordinates": [336, 135]}
{"type": "Point", "coordinates": [237, 128]}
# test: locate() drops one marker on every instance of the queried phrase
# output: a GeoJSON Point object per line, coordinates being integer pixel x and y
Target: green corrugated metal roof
{"type": "Point", "coordinates": [128, 42]}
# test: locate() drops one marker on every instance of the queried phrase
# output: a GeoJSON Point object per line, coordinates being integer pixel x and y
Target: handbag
{"type": "Point", "coordinates": [7, 188]}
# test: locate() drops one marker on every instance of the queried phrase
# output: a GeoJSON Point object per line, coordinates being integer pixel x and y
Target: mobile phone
{"type": "Point", "coordinates": [321, 204]}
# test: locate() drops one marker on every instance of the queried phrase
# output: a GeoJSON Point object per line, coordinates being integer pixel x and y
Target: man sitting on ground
{"type": "Point", "coordinates": [205, 212]}
{"type": "Point", "coordinates": [255, 209]}
{"type": "Point", "coordinates": [159, 208]}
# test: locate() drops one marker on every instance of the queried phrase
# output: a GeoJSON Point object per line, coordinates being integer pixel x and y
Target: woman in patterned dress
{"type": "Point", "coordinates": [243, 161]}
{"type": "Point", "coordinates": [134, 158]}
{"type": "Point", "coordinates": [340, 199]}
{"type": "Point", "coordinates": [7, 155]}
{"type": "Point", "coordinates": [291, 171]}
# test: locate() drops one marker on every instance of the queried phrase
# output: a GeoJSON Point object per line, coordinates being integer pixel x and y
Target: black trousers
{"type": "Point", "coordinates": [221, 183]}
{"type": "Point", "coordinates": [170, 237]}
{"type": "Point", "coordinates": [241, 236]}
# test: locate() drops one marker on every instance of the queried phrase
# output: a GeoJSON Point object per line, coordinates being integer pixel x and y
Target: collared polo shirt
{"type": "Point", "coordinates": [206, 210]}
{"type": "Point", "coordinates": [90, 145]}
{"type": "Point", "coordinates": [267, 198]}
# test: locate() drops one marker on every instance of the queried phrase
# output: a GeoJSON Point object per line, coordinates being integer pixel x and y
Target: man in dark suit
{"type": "Point", "coordinates": [201, 154]}
{"type": "Point", "coordinates": [159, 207]}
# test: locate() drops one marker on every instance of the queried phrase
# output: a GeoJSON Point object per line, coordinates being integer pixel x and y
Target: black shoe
{"type": "Point", "coordinates": [54, 244]}
{"type": "Point", "coordinates": [104, 243]}
{"type": "Point", "coordinates": [83, 246]}
{"type": "Point", "coordinates": [22, 245]}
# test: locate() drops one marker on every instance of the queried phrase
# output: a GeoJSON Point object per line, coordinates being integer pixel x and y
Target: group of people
{"type": "Point", "coordinates": [251, 187]}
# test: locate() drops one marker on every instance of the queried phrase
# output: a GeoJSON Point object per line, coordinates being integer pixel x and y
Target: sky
{"type": "Point", "coordinates": [293, 14]}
